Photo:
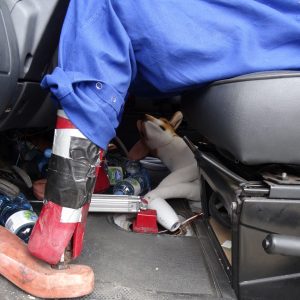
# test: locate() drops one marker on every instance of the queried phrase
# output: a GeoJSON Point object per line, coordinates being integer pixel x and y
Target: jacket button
{"type": "Point", "coordinates": [98, 85]}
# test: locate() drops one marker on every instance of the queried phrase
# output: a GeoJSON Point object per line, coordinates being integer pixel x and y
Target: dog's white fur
{"type": "Point", "coordinates": [160, 137]}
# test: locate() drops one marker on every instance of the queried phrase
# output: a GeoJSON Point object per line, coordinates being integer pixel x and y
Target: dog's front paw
{"type": "Point", "coordinates": [166, 215]}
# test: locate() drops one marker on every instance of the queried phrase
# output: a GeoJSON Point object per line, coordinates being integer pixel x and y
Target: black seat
{"type": "Point", "coordinates": [255, 118]}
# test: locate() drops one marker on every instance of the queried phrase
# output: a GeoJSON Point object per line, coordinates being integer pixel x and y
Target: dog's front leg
{"type": "Point", "coordinates": [187, 190]}
{"type": "Point", "coordinates": [186, 174]}
{"type": "Point", "coordinates": [166, 215]}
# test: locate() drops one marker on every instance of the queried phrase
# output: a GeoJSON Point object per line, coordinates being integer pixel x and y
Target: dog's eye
{"type": "Point", "coordinates": [162, 128]}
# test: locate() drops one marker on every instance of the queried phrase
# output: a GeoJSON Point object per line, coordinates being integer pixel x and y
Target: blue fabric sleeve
{"type": "Point", "coordinates": [95, 69]}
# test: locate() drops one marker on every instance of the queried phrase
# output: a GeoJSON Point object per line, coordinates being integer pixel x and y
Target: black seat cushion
{"type": "Point", "coordinates": [255, 117]}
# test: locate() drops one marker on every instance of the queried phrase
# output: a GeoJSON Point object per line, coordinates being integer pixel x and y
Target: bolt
{"type": "Point", "coordinates": [266, 244]}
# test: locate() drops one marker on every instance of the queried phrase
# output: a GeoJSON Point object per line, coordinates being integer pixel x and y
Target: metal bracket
{"type": "Point", "coordinates": [255, 189]}
{"type": "Point", "coordinates": [201, 157]}
{"type": "Point", "coordinates": [284, 191]}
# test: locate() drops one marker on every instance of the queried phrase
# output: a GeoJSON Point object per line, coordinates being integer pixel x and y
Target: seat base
{"type": "Point", "coordinates": [252, 118]}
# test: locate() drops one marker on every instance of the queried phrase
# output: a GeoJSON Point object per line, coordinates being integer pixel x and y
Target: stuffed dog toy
{"type": "Point", "coordinates": [159, 138]}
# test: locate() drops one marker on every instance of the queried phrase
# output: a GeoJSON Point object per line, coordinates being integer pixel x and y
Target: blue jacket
{"type": "Point", "coordinates": [109, 46]}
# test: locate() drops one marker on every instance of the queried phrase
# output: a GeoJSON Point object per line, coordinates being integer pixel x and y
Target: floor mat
{"type": "Point", "coordinates": [138, 266]}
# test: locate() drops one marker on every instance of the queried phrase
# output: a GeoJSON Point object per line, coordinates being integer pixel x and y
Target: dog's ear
{"type": "Point", "coordinates": [176, 119]}
{"type": "Point", "coordinates": [138, 151]}
{"type": "Point", "coordinates": [139, 125]}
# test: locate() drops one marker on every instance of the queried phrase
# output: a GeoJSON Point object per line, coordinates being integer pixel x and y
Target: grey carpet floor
{"type": "Point", "coordinates": [138, 266]}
